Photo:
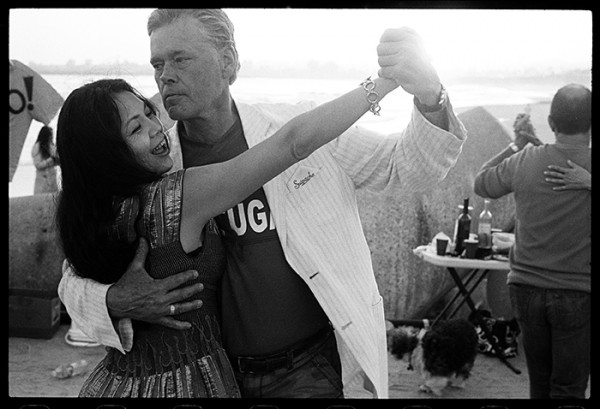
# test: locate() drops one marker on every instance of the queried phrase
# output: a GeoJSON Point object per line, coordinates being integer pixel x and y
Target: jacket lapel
{"type": "Point", "coordinates": [256, 128]}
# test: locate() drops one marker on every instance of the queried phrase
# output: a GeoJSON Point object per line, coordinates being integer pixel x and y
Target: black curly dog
{"type": "Point", "coordinates": [444, 354]}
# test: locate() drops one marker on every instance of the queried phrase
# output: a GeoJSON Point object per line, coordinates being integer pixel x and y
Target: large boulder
{"type": "Point", "coordinates": [34, 254]}
{"type": "Point", "coordinates": [394, 226]}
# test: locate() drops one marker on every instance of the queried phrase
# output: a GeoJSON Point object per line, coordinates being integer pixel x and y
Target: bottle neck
{"type": "Point", "coordinates": [466, 206]}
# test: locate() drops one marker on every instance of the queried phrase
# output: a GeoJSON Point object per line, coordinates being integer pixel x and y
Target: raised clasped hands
{"type": "Point", "coordinates": [525, 132]}
{"type": "Point", "coordinates": [403, 58]}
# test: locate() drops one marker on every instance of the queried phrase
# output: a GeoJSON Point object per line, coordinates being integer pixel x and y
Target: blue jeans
{"type": "Point", "coordinates": [555, 327]}
{"type": "Point", "coordinates": [316, 373]}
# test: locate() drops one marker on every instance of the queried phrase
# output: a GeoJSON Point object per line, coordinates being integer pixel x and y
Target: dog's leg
{"type": "Point", "coordinates": [424, 388]}
{"type": "Point", "coordinates": [436, 384]}
{"type": "Point", "coordinates": [457, 381]}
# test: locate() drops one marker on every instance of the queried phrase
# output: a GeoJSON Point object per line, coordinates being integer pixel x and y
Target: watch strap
{"type": "Point", "coordinates": [432, 108]}
{"type": "Point", "coordinates": [514, 147]}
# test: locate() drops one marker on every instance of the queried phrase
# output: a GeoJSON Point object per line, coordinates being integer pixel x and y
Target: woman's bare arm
{"type": "Point", "coordinates": [212, 189]}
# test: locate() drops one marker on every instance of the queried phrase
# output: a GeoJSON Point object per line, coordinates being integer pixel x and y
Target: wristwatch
{"type": "Point", "coordinates": [514, 147]}
{"type": "Point", "coordinates": [432, 108]}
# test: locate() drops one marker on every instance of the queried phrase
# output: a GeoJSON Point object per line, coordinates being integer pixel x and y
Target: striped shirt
{"type": "Point", "coordinates": [319, 227]}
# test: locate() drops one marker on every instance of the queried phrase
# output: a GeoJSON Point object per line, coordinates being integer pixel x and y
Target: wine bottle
{"type": "Point", "coordinates": [484, 230]}
{"type": "Point", "coordinates": [462, 228]}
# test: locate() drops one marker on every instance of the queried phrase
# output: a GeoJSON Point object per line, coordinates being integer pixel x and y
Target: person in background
{"type": "Point", "coordinates": [572, 177]}
{"type": "Point", "coordinates": [45, 161]}
{"type": "Point", "coordinates": [30, 97]}
{"type": "Point", "coordinates": [301, 312]}
{"type": "Point", "coordinates": [550, 260]}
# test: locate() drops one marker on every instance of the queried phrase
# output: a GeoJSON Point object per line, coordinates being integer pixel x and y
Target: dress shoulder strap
{"type": "Point", "coordinates": [162, 201]}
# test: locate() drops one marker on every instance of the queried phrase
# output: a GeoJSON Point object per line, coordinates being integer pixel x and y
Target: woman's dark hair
{"type": "Point", "coordinates": [97, 166]}
{"type": "Point", "coordinates": [571, 109]}
{"type": "Point", "coordinates": [44, 139]}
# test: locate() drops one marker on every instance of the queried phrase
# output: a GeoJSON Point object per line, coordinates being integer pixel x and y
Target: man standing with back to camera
{"type": "Point", "coordinates": [550, 261]}
{"type": "Point", "coordinates": [302, 315]}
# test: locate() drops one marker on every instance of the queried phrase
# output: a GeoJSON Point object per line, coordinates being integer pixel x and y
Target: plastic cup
{"type": "Point", "coordinates": [471, 247]}
{"type": "Point", "coordinates": [441, 244]}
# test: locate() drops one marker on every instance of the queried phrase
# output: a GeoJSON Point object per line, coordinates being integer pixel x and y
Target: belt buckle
{"type": "Point", "coordinates": [266, 363]}
{"type": "Point", "coordinates": [241, 367]}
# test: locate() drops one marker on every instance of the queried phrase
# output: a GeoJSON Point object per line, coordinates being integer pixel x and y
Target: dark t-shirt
{"type": "Point", "coordinates": [266, 306]}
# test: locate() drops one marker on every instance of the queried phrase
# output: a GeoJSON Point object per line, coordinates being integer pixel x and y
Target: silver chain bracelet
{"type": "Point", "coordinates": [372, 97]}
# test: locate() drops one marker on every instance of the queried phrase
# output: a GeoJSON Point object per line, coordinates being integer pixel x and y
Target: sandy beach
{"type": "Point", "coordinates": [31, 362]}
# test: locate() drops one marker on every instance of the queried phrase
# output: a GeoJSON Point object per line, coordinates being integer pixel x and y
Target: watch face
{"type": "Point", "coordinates": [443, 96]}
{"type": "Point", "coordinates": [433, 108]}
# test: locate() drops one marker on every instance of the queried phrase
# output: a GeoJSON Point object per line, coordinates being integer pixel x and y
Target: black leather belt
{"type": "Point", "coordinates": [268, 363]}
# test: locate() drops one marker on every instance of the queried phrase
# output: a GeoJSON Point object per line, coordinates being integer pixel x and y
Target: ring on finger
{"type": "Point", "coordinates": [172, 309]}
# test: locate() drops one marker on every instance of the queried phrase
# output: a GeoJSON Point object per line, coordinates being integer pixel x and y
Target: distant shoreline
{"type": "Point", "coordinates": [312, 70]}
{"type": "Point", "coordinates": [23, 182]}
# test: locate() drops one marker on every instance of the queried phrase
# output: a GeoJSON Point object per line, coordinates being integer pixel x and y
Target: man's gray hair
{"type": "Point", "coordinates": [215, 23]}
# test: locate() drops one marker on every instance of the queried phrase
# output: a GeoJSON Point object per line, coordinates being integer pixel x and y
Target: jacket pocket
{"type": "Point", "coordinates": [301, 178]}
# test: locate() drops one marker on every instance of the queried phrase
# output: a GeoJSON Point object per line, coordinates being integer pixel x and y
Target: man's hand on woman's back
{"type": "Point", "coordinates": [140, 297]}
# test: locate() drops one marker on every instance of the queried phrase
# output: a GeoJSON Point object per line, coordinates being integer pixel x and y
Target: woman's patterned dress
{"type": "Point", "coordinates": [165, 362]}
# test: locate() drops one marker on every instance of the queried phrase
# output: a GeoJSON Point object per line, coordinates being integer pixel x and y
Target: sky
{"type": "Point", "coordinates": [458, 40]}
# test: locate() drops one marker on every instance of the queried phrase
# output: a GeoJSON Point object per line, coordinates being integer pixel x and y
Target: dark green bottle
{"type": "Point", "coordinates": [462, 228]}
